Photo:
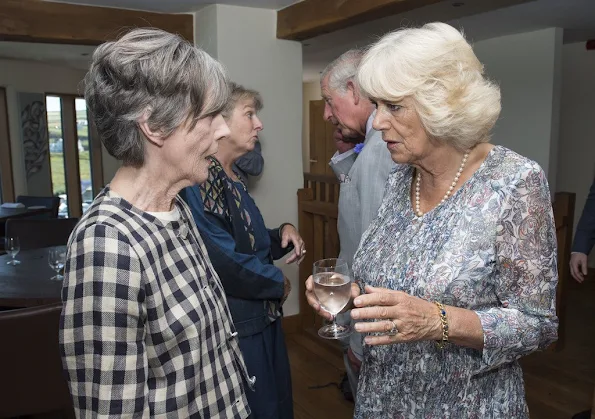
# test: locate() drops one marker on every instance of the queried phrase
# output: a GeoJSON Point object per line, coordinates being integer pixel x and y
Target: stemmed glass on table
{"type": "Point", "coordinates": [12, 247]}
{"type": "Point", "coordinates": [56, 260]}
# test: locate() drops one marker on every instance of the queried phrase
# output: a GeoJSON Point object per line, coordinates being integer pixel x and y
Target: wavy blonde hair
{"type": "Point", "coordinates": [437, 68]}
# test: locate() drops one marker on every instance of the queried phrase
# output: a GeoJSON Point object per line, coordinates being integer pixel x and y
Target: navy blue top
{"type": "Point", "coordinates": [241, 249]}
{"type": "Point", "coordinates": [584, 238]}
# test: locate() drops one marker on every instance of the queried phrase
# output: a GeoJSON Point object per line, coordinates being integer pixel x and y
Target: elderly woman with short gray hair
{"type": "Point", "coordinates": [459, 267]}
{"type": "Point", "coordinates": [145, 329]}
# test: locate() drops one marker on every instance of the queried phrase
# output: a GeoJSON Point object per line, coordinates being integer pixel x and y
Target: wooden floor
{"type": "Point", "coordinates": [558, 384]}
{"type": "Point", "coordinates": [315, 365]}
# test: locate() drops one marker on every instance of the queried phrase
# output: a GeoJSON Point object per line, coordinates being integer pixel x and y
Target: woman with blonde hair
{"type": "Point", "coordinates": [458, 270]}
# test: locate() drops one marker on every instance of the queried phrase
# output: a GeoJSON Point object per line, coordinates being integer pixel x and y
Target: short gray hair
{"type": "Point", "coordinates": [343, 69]}
{"type": "Point", "coordinates": [155, 72]}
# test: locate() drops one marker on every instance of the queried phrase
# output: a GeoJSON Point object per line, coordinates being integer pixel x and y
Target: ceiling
{"type": "Point", "coordinates": [180, 6]}
{"type": "Point", "coordinates": [78, 56]}
{"type": "Point", "coordinates": [577, 17]}
{"type": "Point", "coordinates": [74, 56]}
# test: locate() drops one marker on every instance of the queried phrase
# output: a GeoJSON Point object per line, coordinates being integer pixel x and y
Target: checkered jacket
{"type": "Point", "coordinates": [145, 329]}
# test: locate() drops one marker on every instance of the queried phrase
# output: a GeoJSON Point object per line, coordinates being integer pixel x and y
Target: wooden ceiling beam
{"type": "Point", "coordinates": [63, 23]}
{"type": "Point", "coordinates": [311, 18]}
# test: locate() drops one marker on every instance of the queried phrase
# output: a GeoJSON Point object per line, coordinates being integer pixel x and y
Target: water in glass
{"type": "Point", "coordinates": [332, 287]}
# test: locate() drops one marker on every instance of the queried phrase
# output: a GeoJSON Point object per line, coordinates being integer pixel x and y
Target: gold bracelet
{"type": "Point", "coordinates": [442, 343]}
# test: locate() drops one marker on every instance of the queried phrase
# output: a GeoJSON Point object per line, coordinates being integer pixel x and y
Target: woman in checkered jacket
{"type": "Point", "coordinates": [146, 330]}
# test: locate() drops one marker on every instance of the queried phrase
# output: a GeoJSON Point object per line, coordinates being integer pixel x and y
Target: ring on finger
{"type": "Point", "coordinates": [393, 331]}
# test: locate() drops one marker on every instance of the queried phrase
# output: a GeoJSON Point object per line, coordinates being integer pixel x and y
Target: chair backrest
{"type": "Point", "coordinates": [35, 234]}
{"type": "Point", "coordinates": [52, 202]}
{"type": "Point", "coordinates": [32, 379]}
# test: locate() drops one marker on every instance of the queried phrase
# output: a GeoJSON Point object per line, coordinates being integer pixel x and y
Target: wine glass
{"type": "Point", "coordinates": [12, 247]}
{"type": "Point", "coordinates": [332, 287]}
{"type": "Point", "coordinates": [56, 260]}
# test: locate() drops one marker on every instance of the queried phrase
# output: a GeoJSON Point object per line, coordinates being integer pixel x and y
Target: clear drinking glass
{"type": "Point", "coordinates": [56, 260]}
{"type": "Point", "coordinates": [12, 247]}
{"type": "Point", "coordinates": [332, 287]}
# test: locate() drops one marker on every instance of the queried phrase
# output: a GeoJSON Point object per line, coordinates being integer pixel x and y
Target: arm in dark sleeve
{"type": "Point", "coordinates": [243, 276]}
{"type": "Point", "coordinates": [584, 238]}
{"type": "Point", "coordinates": [277, 252]}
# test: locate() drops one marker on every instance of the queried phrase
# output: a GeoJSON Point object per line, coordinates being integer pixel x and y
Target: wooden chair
{"type": "Point", "coordinates": [32, 379]}
{"type": "Point", "coordinates": [35, 233]}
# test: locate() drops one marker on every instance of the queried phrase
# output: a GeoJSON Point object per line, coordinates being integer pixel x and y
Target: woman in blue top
{"type": "Point", "coordinates": [242, 251]}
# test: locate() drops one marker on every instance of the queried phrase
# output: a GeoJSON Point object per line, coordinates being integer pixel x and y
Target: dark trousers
{"type": "Point", "coordinates": [266, 358]}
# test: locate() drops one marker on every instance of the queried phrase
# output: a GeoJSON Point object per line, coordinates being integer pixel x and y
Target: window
{"type": "Point", "coordinates": [75, 159]}
{"type": "Point", "coordinates": [82, 131]}
{"type": "Point", "coordinates": [53, 106]}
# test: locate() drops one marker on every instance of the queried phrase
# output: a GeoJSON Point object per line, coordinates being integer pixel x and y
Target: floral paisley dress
{"type": "Point", "coordinates": [490, 248]}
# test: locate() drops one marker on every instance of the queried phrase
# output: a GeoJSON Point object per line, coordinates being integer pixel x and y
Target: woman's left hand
{"type": "Point", "coordinates": [415, 319]}
{"type": "Point", "coordinates": [290, 235]}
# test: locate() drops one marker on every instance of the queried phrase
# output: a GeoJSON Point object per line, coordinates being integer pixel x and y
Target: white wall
{"type": "Point", "coordinates": [527, 67]}
{"type": "Point", "coordinates": [36, 77]}
{"type": "Point", "coordinates": [576, 155]}
{"type": "Point", "coordinates": [246, 44]}
{"type": "Point", "coordinates": [311, 91]}
{"type": "Point", "coordinates": [205, 29]}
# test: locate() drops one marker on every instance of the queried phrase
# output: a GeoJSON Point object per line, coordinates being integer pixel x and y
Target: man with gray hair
{"type": "Point", "coordinates": [362, 169]}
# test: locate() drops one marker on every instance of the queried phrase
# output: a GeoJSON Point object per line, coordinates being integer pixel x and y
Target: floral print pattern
{"type": "Point", "coordinates": [490, 248]}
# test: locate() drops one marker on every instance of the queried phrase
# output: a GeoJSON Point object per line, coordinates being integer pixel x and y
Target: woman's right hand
{"type": "Point", "coordinates": [313, 301]}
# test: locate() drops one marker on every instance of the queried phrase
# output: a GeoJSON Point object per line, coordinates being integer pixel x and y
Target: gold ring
{"type": "Point", "coordinates": [393, 331]}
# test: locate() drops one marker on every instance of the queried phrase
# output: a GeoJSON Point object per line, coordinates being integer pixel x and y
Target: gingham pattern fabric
{"type": "Point", "coordinates": [145, 329]}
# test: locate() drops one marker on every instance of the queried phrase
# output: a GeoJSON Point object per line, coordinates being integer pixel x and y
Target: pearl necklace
{"type": "Point", "coordinates": [447, 194]}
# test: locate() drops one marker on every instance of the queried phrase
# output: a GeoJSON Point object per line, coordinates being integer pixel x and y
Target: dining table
{"type": "Point", "coordinates": [28, 284]}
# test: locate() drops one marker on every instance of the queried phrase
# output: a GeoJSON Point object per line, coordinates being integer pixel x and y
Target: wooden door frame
{"type": "Point", "coordinates": [320, 140]}
{"type": "Point", "coordinates": [6, 171]}
{"type": "Point", "coordinates": [71, 155]}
